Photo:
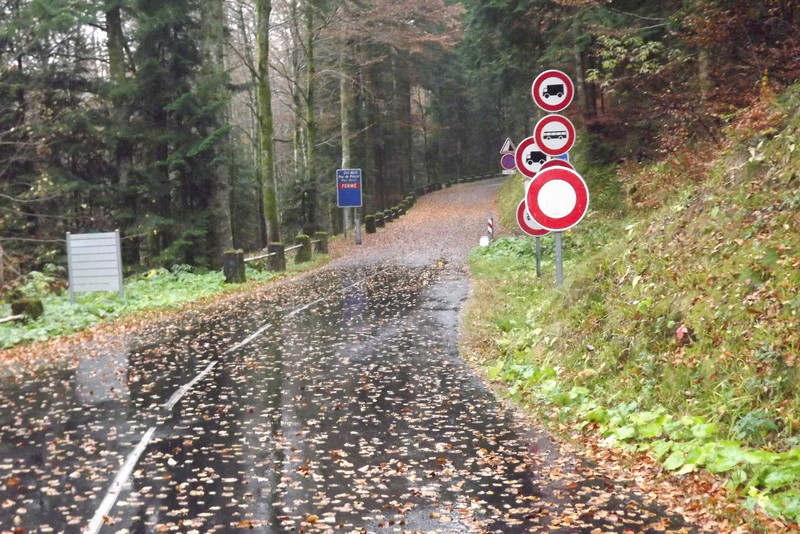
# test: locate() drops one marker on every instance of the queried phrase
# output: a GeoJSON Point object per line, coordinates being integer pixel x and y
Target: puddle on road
{"type": "Point", "coordinates": [353, 414]}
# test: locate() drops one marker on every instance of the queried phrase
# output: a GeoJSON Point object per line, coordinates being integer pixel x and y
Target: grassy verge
{"type": "Point", "coordinates": [677, 331]}
{"type": "Point", "coordinates": [157, 289]}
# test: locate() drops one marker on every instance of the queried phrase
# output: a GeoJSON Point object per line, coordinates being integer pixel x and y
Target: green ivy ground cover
{"type": "Point", "coordinates": [159, 288]}
{"type": "Point", "coordinates": [676, 332]}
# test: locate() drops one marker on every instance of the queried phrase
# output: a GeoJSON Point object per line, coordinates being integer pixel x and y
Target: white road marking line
{"type": "Point", "coordinates": [130, 462]}
{"type": "Point", "coordinates": [340, 290]}
{"type": "Point", "coordinates": [249, 339]}
{"type": "Point", "coordinates": [119, 482]}
{"type": "Point", "coordinates": [178, 395]}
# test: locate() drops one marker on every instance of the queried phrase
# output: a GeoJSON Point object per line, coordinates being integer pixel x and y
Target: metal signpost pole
{"type": "Point", "coordinates": [559, 261]}
{"type": "Point", "coordinates": [538, 257]}
{"type": "Point", "coordinates": [357, 222]}
{"type": "Point", "coordinates": [70, 270]}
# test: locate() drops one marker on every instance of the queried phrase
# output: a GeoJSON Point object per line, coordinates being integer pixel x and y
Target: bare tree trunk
{"type": "Point", "coordinates": [311, 193]}
{"type": "Point", "coordinates": [345, 110]}
{"type": "Point", "coordinates": [369, 139]}
{"type": "Point", "coordinates": [248, 56]}
{"type": "Point", "coordinates": [424, 127]}
{"type": "Point", "coordinates": [585, 98]}
{"type": "Point", "coordinates": [703, 75]}
{"type": "Point", "coordinates": [213, 50]}
{"type": "Point", "coordinates": [405, 123]}
{"type": "Point", "coordinates": [117, 69]}
{"type": "Point", "coordinates": [266, 126]}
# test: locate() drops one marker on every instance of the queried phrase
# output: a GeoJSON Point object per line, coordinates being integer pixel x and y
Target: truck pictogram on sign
{"type": "Point", "coordinates": [536, 157]}
{"type": "Point", "coordinates": [556, 89]}
{"type": "Point", "coordinates": [552, 91]}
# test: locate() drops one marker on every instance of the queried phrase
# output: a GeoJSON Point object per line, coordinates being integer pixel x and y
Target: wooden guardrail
{"type": "Point", "coordinates": [234, 263]}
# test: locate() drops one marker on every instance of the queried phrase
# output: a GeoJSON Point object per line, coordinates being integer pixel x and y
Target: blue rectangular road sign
{"type": "Point", "coordinates": [348, 188]}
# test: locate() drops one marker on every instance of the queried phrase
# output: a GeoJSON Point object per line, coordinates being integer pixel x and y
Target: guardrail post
{"type": "Point", "coordinates": [29, 308]}
{"type": "Point", "coordinates": [369, 224]}
{"type": "Point", "coordinates": [304, 252]}
{"type": "Point", "coordinates": [276, 262]}
{"type": "Point", "coordinates": [322, 242]}
{"type": "Point", "coordinates": [380, 219]}
{"type": "Point", "coordinates": [388, 215]}
{"type": "Point", "coordinates": [233, 267]}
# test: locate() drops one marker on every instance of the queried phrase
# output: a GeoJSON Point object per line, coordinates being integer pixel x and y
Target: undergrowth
{"type": "Point", "coordinates": [677, 332]}
{"type": "Point", "coordinates": [156, 289]}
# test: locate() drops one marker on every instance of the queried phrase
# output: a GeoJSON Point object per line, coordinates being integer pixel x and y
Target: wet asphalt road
{"type": "Point", "coordinates": [339, 404]}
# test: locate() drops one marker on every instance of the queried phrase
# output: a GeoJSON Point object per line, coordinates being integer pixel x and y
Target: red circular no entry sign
{"type": "Point", "coordinates": [553, 91]}
{"type": "Point", "coordinates": [529, 157]}
{"type": "Point", "coordinates": [557, 163]}
{"type": "Point", "coordinates": [557, 198]}
{"type": "Point", "coordinates": [526, 222]}
{"type": "Point", "coordinates": [554, 135]}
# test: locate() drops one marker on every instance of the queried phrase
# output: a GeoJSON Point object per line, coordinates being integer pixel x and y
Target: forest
{"type": "Point", "coordinates": [198, 126]}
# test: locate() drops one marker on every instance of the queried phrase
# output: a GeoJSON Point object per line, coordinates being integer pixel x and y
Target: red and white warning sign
{"type": "Point", "coordinates": [557, 198]}
{"type": "Point", "coordinates": [549, 164]}
{"type": "Point", "coordinates": [553, 91]}
{"type": "Point", "coordinates": [508, 147]}
{"type": "Point", "coordinates": [526, 222]}
{"type": "Point", "coordinates": [529, 158]}
{"type": "Point", "coordinates": [554, 134]}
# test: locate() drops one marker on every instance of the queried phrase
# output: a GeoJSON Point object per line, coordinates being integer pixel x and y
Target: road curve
{"type": "Point", "coordinates": [335, 402]}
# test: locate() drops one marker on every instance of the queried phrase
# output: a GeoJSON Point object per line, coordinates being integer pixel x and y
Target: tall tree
{"type": "Point", "coordinates": [182, 132]}
{"type": "Point", "coordinates": [265, 121]}
{"type": "Point", "coordinates": [311, 190]}
{"type": "Point", "coordinates": [214, 97]}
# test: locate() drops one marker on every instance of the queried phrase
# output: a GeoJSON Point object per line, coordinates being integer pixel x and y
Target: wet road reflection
{"type": "Point", "coordinates": [354, 414]}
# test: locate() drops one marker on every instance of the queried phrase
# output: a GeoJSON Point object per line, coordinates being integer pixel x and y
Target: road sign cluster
{"type": "Point", "coordinates": [556, 196]}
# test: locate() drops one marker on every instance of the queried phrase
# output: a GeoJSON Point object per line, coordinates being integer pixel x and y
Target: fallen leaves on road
{"type": "Point", "coordinates": [354, 415]}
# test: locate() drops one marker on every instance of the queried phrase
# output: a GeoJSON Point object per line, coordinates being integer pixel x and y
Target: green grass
{"type": "Point", "coordinates": [677, 329]}
{"type": "Point", "coordinates": [156, 289]}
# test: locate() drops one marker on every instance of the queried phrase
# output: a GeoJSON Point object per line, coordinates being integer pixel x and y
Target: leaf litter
{"type": "Point", "coordinates": [356, 415]}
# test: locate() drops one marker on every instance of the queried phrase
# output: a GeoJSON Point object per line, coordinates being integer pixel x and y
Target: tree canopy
{"type": "Point", "coordinates": [195, 126]}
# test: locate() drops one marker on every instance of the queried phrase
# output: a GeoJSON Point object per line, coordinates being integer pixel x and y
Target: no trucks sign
{"type": "Point", "coordinates": [553, 91]}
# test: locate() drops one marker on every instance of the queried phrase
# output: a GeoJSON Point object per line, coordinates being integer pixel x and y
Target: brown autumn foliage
{"type": "Point", "coordinates": [717, 57]}
{"type": "Point", "coordinates": [412, 26]}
